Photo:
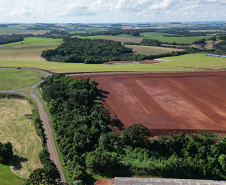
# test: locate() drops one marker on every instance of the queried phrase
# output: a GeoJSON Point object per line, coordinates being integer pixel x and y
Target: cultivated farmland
{"type": "Point", "coordinates": [18, 130]}
{"type": "Point", "coordinates": [150, 50]}
{"type": "Point", "coordinates": [166, 102]}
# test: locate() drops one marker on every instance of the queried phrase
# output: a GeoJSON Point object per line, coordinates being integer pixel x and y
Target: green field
{"type": "Point", "coordinates": [17, 78]}
{"type": "Point", "coordinates": [128, 36]}
{"type": "Point", "coordinates": [7, 177]}
{"type": "Point", "coordinates": [195, 61]}
{"type": "Point", "coordinates": [90, 37]}
{"type": "Point", "coordinates": [149, 35]}
{"type": "Point", "coordinates": [179, 40]}
{"type": "Point", "coordinates": [152, 35]}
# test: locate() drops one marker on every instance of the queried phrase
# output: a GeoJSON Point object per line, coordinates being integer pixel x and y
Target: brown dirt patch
{"type": "Point", "coordinates": [150, 50]}
{"type": "Point", "coordinates": [122, 39]}
{"type": "Point", "coordinates": [183, 102]}
{"type": "Point", "coordinates": [105, 182]}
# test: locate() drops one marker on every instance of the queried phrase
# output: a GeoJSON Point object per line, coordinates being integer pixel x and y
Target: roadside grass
{"type": "Point", "coordinates": [195, 61]}
{"type": "Point", "coordinates": [150, 50]}
{"type": "Point", "coordinates": [179, 40]}
{"type": "Point", "coordinates": [7, 177]}
{"type": "Point", "coordinates": [20, 131]}
{"type": "Point", "coordinates": [80, 67]}
{"type": "Point", "coordinates": [17, 78]}
{"type": "Point", "coordinates": [66, 175]}
{"type": "Point", "coordinates": [26, 91]}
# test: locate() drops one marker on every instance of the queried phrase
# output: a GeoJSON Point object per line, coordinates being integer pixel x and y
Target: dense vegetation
{"type": "Point", "coordinates": [96, 51]}
{"type": "Point", "coordinates": [85, 141]}
{"type": "Point", "coordinates": [6, 152]}
{"type": "Point", "coordinates": [220, 48]}
{"type": "Point", "coordinates": [6, 39]}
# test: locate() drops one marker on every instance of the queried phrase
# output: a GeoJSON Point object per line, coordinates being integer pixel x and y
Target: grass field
{"type": "Point", "coordinates": [18, 130]}
{"type": "Point", "coordinates": [187, 40]}
{"type": "Point", "coordinates": [7, 177]}
{"type": "Point", "coordinates": [152, 35]}
{"type": "Point", "coordinates": [123, 39]}
{"type": "Point", "coordinates": [150, 50]}
{"type": "Point", "coordinates": [195, 61]}
{"type": "Point", "coordinates": [17, 78]}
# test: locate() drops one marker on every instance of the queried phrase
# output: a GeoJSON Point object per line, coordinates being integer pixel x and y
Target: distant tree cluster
{"type": "Point", "coordinates": [222, 37]}
{"type": "Point", "coordinates": [3, 25]}
{"type": "Point", "coordinates": [98, 51]}
{"type": "Point", "coordinates": [6, 39]}
{"type": "Point", "coordinates": [220, 48]}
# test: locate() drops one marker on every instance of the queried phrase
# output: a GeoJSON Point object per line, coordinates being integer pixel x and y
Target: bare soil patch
{"type": "Point", "coordinates": [105, 182]}
{"type": "Point", "coordinates": [150, 50]}
{"type": "Point", "coordinates": [182, 102]}
{"type": "Point", "coordinates": [122, 39]}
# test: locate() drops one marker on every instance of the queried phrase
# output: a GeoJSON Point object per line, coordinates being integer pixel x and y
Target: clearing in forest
{"type": "Point", "coordinates": [20, 131]}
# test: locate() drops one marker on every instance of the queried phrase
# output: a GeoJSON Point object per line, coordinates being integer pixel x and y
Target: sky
{"type": "Point", "coordinates": [111, 11]}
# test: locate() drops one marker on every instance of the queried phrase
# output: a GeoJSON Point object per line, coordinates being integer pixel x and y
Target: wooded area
{"type": "Point", "coordinates": [6, 39]}
{"type": "Point", "coordinates": [96, 51]}
{"type": "Point", "coordinates": [85, 141]}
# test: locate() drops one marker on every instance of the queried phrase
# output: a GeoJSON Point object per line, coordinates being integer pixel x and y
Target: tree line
{"type": "Point", "coordinates": [85, 142]}
{"type": "Point", "coordinates": [6, 39]}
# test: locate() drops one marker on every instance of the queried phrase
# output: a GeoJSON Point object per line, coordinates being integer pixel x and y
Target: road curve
{"type": "Point", "coordinates": [45, 122]}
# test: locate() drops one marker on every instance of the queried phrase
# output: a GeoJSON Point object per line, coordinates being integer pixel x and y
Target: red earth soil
{"type": "Point", "coordinates": [105, 182]}
{"type": "Point", "coordinates": [166, 102]}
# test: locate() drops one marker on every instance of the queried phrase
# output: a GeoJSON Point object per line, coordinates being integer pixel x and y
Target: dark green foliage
{"type": "Point", "coordinates": [5, 39]}
{"type": "Point", "coordinates": [44, 157]}
{"type": "Point", "coordinates": [135, 135]}
{"type": "Point", "coordinates": [79, 172]}
{"type": "Point", "coordinates": [200, 42]}
{"type": "Point", "coordinates": [220, 48]}
{"type": "Point", "coordinates": [48, 175]}
{"type": "Point", "coordinates": [78, 126]}
{"type": "Point", "coordinates": [150, 42]}
{"type": "Point", "coordinates": [76, 50]}
{"type": "Point", "coordinates": [6, 152]}
{"type": "Point", "coordinates": [222, 37]}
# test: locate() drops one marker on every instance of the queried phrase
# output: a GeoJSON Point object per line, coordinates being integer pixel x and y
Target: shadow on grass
{"type": "Point", "coordinates": [16, 162]}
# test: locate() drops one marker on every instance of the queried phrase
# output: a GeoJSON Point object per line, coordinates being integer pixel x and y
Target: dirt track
{"type": "Point", "coordinates": [167, 102]}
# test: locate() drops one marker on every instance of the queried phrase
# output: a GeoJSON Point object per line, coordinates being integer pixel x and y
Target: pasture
{"type": "Point", "coordinates": [20, 131]}
{"type": "Point", "coordinates": [17, 78]}
{"type": "Point", "coordinates": [180, 40]}
{"type": "Point", "coordinates": [7, 177]}
{"type": "Point", "coordinates": [150, 50]}
{"type": "Point", "coordinates": [195, 61]}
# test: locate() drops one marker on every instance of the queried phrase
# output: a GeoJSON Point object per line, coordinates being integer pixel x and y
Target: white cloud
{"type": "Point", "coordinates": [165, 4]}
{"type": "Point", "coordinates": [76, 9]}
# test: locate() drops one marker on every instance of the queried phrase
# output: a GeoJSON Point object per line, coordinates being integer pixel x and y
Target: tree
{"type": "Point", "coordinates": [136, 135]}
{"type": "Point", "coordinates": [36, 177]}
{"type": "Point", "coordinates": [79, 172]}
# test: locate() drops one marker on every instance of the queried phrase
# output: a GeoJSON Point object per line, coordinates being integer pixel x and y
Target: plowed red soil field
{"type": "Point", "coordinates": [166, 102]}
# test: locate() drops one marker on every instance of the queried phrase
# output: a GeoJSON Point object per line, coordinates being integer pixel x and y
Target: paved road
{"type": "Point", "coordinates": [46, 124]}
